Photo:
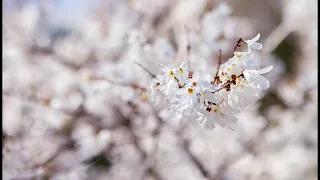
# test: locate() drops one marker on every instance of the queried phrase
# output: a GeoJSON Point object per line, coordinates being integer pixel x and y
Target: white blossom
{"type": "Point", "coordinates": [239, 83]}
{"type": "Point", "coordinates": [252, 44]}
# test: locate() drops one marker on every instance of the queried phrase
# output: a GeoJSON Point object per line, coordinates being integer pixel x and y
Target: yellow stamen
{"type": "Point", "coordinates": [239, 56]}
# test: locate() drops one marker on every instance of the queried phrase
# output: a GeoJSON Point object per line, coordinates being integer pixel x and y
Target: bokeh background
{"type": "Point", "coordinates": [60, 123]}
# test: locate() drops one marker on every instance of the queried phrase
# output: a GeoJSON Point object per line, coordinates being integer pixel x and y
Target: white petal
{"type": "Point", "coordinates": [163, 79]}
{"type": "Point", "coordinates": [196, 118]}
{"type": "Point", "coordinates": [196, 76]}
{"type": "Point", "coordinates": [184, 99]}
{"type": "Point", "coordinates": [253, 62]}
{"type": "Point", "coordinates": [183, 65]}
{"type": "Point", "coordinates": [203, 112]}
{"type": "Point", "coordinates": [204, 84]}
{"type": "Point", "coordinates": [261, 82]}
{"type": "Point", "coordinates": [220, 120]}
{"type": "Point", "coordinates": [256, 38]}
{"type": "Point", "coordinates": [194, 100]}
{"type": "Point", "coordinates": [209, 123]}
{"type": "Point", "coordinates": [247, 74]}
{"type": "Point", "coordinates": [256, 45]}
{"type": "Point", "coordinates": [181, 91]}
{"type": "Point", "coordinates": [188, 83]}
{"type": "Point", "coordinates": [265, 70]}
{"type": "Point", "coordinates": [235, 97]}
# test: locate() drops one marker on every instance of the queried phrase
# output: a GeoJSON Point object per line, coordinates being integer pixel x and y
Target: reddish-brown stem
{"type": "Point", "coordinates": [227, 83]}
{"type": "Point", "coordinates": [238, 44]}
{"type": "Point", "coordinates": [219, 64]}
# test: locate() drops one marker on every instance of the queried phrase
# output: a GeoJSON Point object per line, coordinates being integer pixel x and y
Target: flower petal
{"type": "Point", "coordinates": [196, 76]}
{"type": "Point", "coordinates": [261, 82]}
{"type": "Point", "coordinates": [183, 65]}
{"type": "Point", "coordinates": [265, 70]}
{"type": "Point", "coordinates": [220, 120]}
{"type": "Point", "coordinates": [209, 124]}
{"type": "Point", "coordinates": [256, 38]}
{"type": "Point", "coordinates": [232, 119]}
{"type": "Point", "coordinates": [256, 45]}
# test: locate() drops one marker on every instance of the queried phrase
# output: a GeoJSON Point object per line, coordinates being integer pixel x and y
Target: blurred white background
{"type": "Point", "coordinates": [58, 123]}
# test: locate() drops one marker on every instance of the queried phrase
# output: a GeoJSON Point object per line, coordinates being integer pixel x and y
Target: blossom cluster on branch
{"type": "Point", "coordinates": [237, 84]}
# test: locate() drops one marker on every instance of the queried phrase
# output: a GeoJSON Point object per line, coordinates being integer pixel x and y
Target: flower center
{"type": "Point", "coordinates": [233, 76]}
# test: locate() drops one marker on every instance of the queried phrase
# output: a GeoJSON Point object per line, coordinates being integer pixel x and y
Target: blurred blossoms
{"type": "Point", "coordinates": [104, 92]}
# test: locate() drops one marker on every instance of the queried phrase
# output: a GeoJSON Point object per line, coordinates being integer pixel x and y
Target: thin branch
{"type": "Point", "coordinates": [145, 69]}
{"type": "Point", "coordinates": [188, 46]}
{"type": "Point", "coordinates": [134, 86]}
{"type": "Point", "coordinates": [237, 45]}
{"type": "Point", "coordinates": [219, 64]}
{"type": "Point", "coordinates": [226, 84]}
{"type": "Point", "coordinates": [93, 77]}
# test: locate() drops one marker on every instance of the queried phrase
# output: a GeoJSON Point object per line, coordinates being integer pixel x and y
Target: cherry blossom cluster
{"type": "Point", "coordinates": [237, 84]}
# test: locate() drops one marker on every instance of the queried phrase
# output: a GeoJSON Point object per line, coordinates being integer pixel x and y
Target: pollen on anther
{"type": "Point", "coordinates": [190, 91]}
{"type": "Point", "coordinates": [194, 83]}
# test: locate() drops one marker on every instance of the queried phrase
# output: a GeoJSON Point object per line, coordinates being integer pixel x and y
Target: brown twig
{"type": "Point", "coordinates": [134, 86]}
{"type": "Point", "coordinates": [238, 44]}
{"type": "Point", "coordinates": [227, 84]}
{"type": "Point", "coordinates": [145, 69]}
{"type": "Point", "coordinates": [219, 64]}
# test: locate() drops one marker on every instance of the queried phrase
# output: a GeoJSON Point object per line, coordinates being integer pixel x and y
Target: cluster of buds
{"type": "Point", "coordinates": [237, 84]}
